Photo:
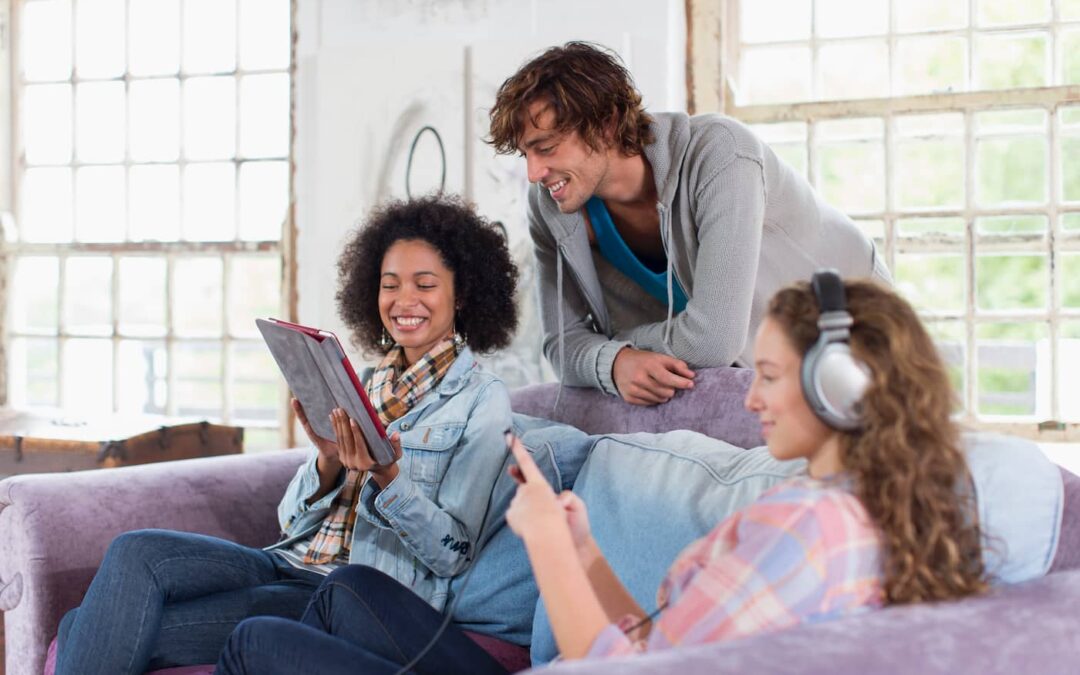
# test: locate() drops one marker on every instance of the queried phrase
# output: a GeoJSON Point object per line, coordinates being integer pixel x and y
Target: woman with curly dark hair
{"type": "Point", "coordinates": [423, 283]}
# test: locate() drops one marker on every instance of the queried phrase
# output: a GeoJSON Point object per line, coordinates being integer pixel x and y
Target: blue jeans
{"type": "Point", "coordinates": [163, 598]}
{"type": "Point", "coordinates": [359, 621]}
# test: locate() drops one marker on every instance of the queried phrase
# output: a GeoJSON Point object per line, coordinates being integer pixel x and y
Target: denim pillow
{"type": "Point", "coordinates": [501, 594]}
{"type": "Point", "coordinates": [650, 495]}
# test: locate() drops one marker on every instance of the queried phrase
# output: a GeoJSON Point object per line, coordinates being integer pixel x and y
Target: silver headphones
{"type": "Point", "coordinates": [833, 380]}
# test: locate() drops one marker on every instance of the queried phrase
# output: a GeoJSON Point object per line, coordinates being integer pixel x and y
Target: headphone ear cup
{"type": "Point", "coordinates": [834, 382]}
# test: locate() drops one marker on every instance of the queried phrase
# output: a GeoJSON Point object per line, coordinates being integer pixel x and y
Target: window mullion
{"type": "Point", "coordinates": [1054, 298]}
{"type": "Point", "coordinates": [971, 363]}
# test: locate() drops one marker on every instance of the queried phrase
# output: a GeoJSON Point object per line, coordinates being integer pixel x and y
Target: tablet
{"type": "Point", "coordinates": [320, 376]}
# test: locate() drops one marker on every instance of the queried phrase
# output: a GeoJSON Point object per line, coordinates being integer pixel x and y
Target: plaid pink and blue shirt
{"type": "Point", "coordinates": [805, 551]}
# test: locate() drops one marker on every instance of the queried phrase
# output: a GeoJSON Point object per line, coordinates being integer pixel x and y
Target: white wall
{"type": "Point", "coordinates": [371, 73]}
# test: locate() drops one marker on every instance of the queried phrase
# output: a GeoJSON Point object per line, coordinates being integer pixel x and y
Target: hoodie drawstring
{"type": "Point", "coordinates": [562, 323]}
{"type": "Point", "coordinates": [665, 222]}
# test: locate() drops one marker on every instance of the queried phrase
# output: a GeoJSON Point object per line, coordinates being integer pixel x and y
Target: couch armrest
{"type": "Point", "coordinates": [714, 407]}
{"type": "Point", "coordinates": [56, 527]}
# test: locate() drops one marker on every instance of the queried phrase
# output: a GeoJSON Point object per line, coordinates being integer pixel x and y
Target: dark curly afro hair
{"type": "Point", "coordinates": [485, 277]}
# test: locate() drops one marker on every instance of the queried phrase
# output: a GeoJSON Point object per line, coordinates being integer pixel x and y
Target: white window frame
{"type": "Point", "coordinates": [710, 65]}
{"type": "Point", "coordinates": [283, 249]}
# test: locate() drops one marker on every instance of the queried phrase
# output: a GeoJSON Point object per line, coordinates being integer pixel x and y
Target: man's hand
{"type": "Point", "coordinates": [648, 378]}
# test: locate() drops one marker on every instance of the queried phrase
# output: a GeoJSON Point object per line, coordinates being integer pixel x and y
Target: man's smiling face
{"type": "Point", "coordinates": [561, 162]}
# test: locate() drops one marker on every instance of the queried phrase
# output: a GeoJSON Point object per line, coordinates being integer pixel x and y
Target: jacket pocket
{"type": "Point", "coordinates": [429, 448]}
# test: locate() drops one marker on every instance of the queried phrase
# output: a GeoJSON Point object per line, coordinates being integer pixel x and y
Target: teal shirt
{"type": "Point", "coordinates": [616, 251]}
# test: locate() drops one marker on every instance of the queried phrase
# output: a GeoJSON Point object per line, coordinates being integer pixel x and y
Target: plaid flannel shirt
{"type": "Point", "coordinates": [805, 551]}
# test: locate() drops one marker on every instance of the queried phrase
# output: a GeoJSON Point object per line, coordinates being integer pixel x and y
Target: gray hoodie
{"type": "Point", "coordinates": [737, 225]}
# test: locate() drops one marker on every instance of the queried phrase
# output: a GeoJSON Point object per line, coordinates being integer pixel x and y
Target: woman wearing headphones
{"type": "Point", "coordinates": [877, 519]}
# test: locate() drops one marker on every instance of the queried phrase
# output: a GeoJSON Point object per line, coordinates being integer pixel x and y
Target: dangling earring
{"type": "Point", "coordinates": [384, 340]}
{"type": "Point", "coordinates": [459, 339]}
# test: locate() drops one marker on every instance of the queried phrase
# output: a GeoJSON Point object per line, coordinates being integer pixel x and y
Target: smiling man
{"type": "Point", "coordinates": [659, 237]}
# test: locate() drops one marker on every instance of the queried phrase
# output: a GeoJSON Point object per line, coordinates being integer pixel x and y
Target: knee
{"type": "Point", "coordinates": [247, 640]}
{"type": "Point", "coordinates": [136, 545]}
{"type": "Point", "coordinates": [359, 580]}
{"type": "Point", "coordinates": [64, 627]}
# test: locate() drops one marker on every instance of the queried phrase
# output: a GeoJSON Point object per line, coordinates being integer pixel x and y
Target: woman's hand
{"type": "Point", "coordinates": [535, 508]}
{"type": "Point", "coordinates": [353, 449]}
{"type": "Point", "coordinates": [577, 517]}
{"type": "Point", "coordinates": [328, 450]}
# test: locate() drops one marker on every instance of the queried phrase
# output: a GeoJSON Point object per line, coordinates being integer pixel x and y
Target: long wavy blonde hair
{"type": "Point", "coordinates": [909, 471]}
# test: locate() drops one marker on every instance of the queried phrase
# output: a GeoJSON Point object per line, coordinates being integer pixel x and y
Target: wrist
{"type": "Point", "coordinates": [383, 476]}
{"type": "Point", "coordinates": [547, 531]}
{"type": "Point", "coordinates": [588, 552]}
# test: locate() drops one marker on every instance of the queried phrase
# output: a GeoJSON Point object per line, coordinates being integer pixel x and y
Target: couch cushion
{"type": "Point", "coordinates": [1068, 550]}
{"type": "Point", "coordinates": [650, 495]}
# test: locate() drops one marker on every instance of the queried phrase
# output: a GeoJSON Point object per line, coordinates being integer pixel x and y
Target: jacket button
{"type": "Point", "coordinates": [404, 426]}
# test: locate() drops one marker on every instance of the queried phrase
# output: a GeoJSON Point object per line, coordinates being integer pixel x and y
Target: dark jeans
{"type": "Point", "coordinates": [163, 598]}
{"type": "Point", "coordinates": [359, 621]}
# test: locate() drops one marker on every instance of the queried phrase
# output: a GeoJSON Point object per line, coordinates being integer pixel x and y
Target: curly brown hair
{"type": "Point", "coordinates": [588, 89]}
{"type": "Point", "coordinates": [909, 471]}
{"type": "Point", "coordinates": [485, 276]}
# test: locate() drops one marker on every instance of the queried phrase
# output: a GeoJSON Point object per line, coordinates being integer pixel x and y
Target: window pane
{"type": "Point", "coordinates": [210, 118]}
{"type": "Point", "coordinates": [1013, 368]}
{"type": "Point", "coordinates": [931, 282]}
{"type": "Point", "coordinates": [851, 18]}
{"type": "Point", "coordinates": [264, 199]}
{"type": "Point", "coordinates": [1070, 222]}
{"type": "Point", "coordinates": [88, 376]}
{"type": "Point", "coordinates": [265, 34]}
{"type": "Point", "coordinates": [197, 297]}
{"type": "Point", "coordinates": [47, 123]}
{"type": "Point", "coordinates": [209, 36]}
{"type": "Point", "coordinates": [155, 120]}
{"type": "Point", "coordinates": [1004, 282]}
{"type": "Point", "coordinates": [1069, 362]}
{"type": "Point", "coordinates": [264, 115]}
{"type": "Point", "coordinates": [259, 439]}
{"type": "Point", "coordinates": [951, 341]}
{"type": "Point", "coordinates": [1070, 167]}
{"type": "Point", "coordinates": [255, 292]}
{"type": "Point", "coordinates": [930, 64]}
{"type": "Point", "coordinates": [851, 171]}
{"type": "Point", "coordinates": [88, 295]}
{"type": "Point", "coordinates": [929, 173]}
{"type": "Point", "coordinates": [99, 41]}
{"type": "Point", "coordinates": [854, 70]}
{"type": "Point", "coordinates": [33, 372]}
{"type": "Point", "coordinates": [1007, 61]}
{"type": "Point", "coordinates": [257, 386]}
{"type": "Point", "coordinates": [100, 196]}
{"type": "Point", "coordinates": [46, 205]}
{"type": "Point", "coordinates": [1069, 48]}
{"type": "Point", "coordinates": [99, 119]}
{"type": "Point", "coordinates": [1070, 10]}
{"type": "Point", "coordinates": [1011, 225]}
{"type": "Point", "coordinates": [874, 229]}
{"type": "Point", "coordinates": [198, 379]}
{"type": "Point", "coordinates": [46, 40]}
{"type": "Point", "coordinates": [141, 304]}
{"type": "Point", "coordinates": [944, 227]}
{"type": "Point", "coordinates": [923, 15]}
{"type": "Point", "coordinates": [210, 202]}
{"type": "Point", "coordinates": [143, 377]}
{"type": "Point", "coordinates": [774, 74]}
{"type": "Point", "coordinates": [34, 294]}
{"type": "Point", "coordinates": [1011, 12]}
{"type": "Point", "coordinates": [154, 37]}
{"type": "Point", "coordinates": [1070, 283]}
{"type": "Point", "coordinates": [155, 203]}
{"type": "Point", "coordinates": [1011, 170]}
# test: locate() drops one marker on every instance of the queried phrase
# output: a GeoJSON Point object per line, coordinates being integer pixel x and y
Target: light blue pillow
{"type": "Point", "coordinates": [650, 495]}
{"type": "Point", "coordinates": [1020, 499]}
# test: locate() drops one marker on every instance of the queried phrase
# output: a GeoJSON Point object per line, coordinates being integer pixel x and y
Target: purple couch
{"type": "Point", "coordinates": [55, 528]}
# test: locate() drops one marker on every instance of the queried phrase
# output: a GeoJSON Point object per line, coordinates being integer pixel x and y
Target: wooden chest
{"type": "Point", "coordinates": [35, 442]}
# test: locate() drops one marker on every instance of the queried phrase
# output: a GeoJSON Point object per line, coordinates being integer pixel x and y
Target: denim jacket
{"type": "Point", "coordinates": [423, 528]}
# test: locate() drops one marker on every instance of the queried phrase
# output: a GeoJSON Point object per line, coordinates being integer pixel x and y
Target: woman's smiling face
{"type": "Point", "coordinates": [416, 296]}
